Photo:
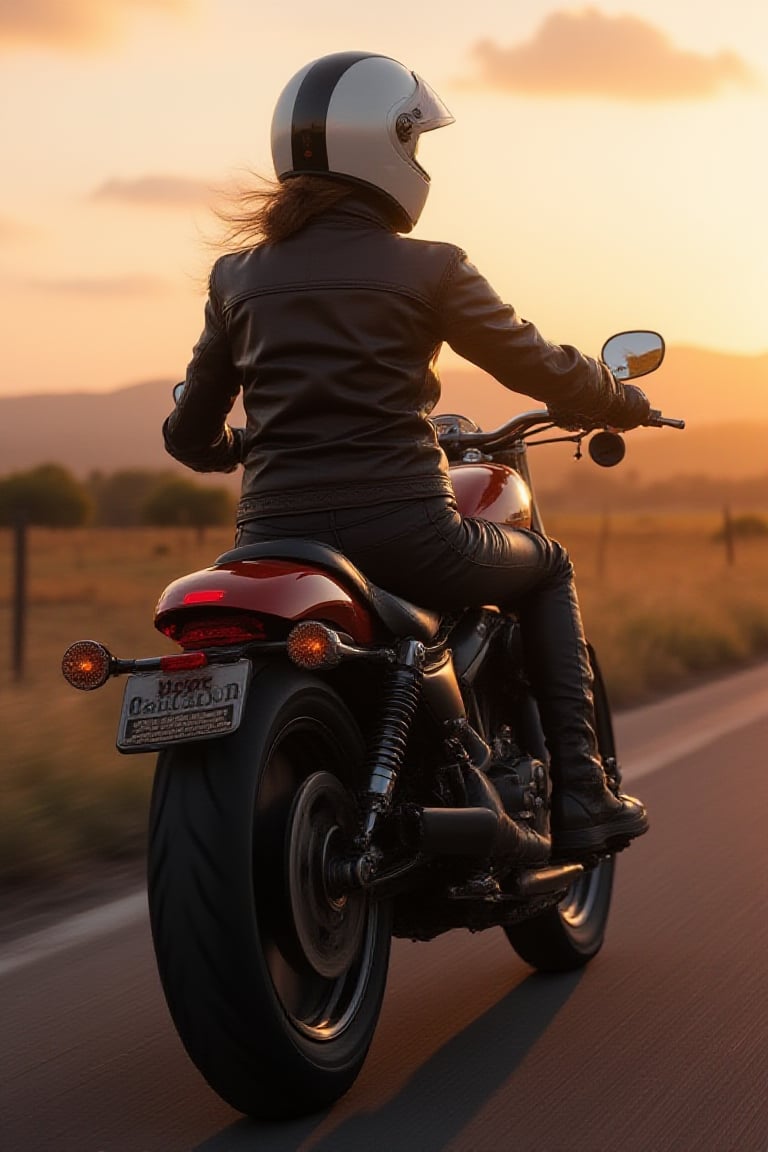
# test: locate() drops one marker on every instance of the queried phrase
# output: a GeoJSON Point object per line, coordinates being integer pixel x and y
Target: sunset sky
{"type": "Point", "coordinates": [607, 168]}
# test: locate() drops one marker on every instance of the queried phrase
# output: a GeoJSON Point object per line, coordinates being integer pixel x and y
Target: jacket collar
{"type": "Point", "coordinates": [354, 209]}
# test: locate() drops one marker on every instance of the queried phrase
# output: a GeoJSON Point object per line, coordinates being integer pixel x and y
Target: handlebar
{"type": "Point", "coordinates": [526, 422]}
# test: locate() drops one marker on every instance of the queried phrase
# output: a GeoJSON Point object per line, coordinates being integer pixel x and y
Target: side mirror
{"type": "Point", "coordinates": [178, 392]}
{"type": "Point", "coordinates": [631, 354]}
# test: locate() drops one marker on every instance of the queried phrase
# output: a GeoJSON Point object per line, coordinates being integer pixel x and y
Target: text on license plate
{"type": "Point", "coordinates": [161, 709]}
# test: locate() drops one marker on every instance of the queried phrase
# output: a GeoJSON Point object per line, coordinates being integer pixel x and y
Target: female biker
{"type": "Point", "coordinates": [331, 320]}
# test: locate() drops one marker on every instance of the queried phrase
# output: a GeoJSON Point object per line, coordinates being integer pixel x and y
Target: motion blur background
{"type": "Point", "coordinates": [606, 171]}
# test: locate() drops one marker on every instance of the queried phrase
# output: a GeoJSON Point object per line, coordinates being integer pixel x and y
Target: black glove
{"type": "Point", "coordinates": [630, 408]}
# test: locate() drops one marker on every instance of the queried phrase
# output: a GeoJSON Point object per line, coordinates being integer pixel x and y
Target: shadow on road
{"type": "Point", "coordinates": [439, 1098]}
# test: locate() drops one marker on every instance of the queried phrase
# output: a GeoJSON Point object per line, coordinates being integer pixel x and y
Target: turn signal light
{"type": "Point", "coordinates": [313, 645]}
{"type": "Point", "coordinates": [86, 665]}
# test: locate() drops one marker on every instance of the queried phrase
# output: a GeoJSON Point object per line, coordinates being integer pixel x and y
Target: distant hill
{"type": "Point", "coordinates": [723, 398]}
{"type": "Point", "coordinates": [697, 385]}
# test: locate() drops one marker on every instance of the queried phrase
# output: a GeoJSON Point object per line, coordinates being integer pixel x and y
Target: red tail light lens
{"type": "Point", "coordinates": [185, 663]}
{"type": "Point", "coordinates": [214, 631]}
{"type": "Point", "coordinates": [204, 596]}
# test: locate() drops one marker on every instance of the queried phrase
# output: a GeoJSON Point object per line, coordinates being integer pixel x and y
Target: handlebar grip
{"type": "Point", "coordinates": [656, 420]}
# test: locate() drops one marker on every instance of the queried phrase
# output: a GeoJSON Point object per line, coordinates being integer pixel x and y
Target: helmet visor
{"type": "Point", "coordinates": [428, 110]}
{"type": "Point", "coordinates": [423, 111]}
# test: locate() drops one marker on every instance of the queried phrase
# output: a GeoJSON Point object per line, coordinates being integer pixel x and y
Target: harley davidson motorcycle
{"type": "Point", "coordinates": [310, 800]}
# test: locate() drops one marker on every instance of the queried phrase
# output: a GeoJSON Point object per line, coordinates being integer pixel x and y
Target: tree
{"type": "Point", "coordinates": [120, 496]}
{"type": "Point", "coordinates": [48, 496]}
{"type": "Point", "coordinates": [182, 503]}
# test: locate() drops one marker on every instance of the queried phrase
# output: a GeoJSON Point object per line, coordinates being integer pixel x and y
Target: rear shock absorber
{"type": "Point", "coordinates": [402, 692]}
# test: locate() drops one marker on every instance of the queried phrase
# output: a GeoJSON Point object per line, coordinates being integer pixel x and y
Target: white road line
{"type": "Point", "coordinates": [649, 738]}
{"type": "Point", "coordinates": [83, 928]}
{"type": "Point", "coordinates": [656, 735]}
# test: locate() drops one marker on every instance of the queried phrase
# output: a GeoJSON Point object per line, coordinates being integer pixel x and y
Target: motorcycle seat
{"type": "Point", "coordinates": [398, 616]}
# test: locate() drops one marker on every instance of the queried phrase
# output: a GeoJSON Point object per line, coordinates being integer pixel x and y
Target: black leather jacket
{"type": "Point", "coordinates": [333, 335]}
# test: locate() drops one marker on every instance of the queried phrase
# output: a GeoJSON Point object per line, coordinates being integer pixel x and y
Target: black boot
{"type": "Point", "coordinates": [516, 842]}
{"type": "Point", "coordinates": [587, 817]}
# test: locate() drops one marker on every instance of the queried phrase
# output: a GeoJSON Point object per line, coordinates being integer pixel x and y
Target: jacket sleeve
{"type": "Point", "coordinates": [196, 432]}
{"type": "Point", "coordinates": [482, 329]}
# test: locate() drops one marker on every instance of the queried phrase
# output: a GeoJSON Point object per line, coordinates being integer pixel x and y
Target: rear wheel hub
{"type": "Point", "coordinates": [329, 925]}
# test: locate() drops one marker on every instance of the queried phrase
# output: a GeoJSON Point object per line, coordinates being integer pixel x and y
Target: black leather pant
{"type": "Point", "coordinates": [425, 552]}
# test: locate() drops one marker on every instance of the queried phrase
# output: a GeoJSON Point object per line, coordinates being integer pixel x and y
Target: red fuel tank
{"type": "Point", "coordinates": [492, 492]}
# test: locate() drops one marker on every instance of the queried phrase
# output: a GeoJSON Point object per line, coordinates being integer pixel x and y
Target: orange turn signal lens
{"type": "Point", "coordinates": [312, 645]}
{"type": "Point", "coordinates": [86, 665]}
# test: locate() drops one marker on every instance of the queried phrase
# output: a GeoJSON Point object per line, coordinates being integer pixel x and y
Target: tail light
{"type": "Point", "coordinates": [216, 631]}
{"type": "Point", "coordinates": [86, 665]}
{"type": "Point", "coordinates": [188, 662]}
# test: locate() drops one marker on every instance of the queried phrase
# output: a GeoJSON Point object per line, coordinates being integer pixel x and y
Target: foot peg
{"type": "Point", "coordinates": [481, 885]}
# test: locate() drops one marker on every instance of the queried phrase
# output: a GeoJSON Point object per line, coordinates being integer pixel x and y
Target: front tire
{"type": "Point", "coordinates": [273, 982]}
{"type": "Point", "coordinates": [569, 936]}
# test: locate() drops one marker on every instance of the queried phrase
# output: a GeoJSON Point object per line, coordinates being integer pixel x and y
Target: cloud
{"type": "Point", "coordinates": [71, 23]}
{"type": "Point", "coordinates": [13, 231]}
{"type": "Point", "coordinates": [155, 191]}
{"type": "Point", "coordinates": [103, 286]}
{"type": "Point", "coordinates": [588, 53]}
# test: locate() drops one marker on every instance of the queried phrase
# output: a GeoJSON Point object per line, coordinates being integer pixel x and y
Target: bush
{"type": "Point", "coordinates": [181, 503]}
{"type": "Point", "coordinates": [48, 496]}
{"type": "Point", "coordinates": [747, 527]}
{"type": "Point", "coordinates": [119, 497]}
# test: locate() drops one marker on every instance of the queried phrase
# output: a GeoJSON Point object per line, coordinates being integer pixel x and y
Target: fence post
{"type": "Point", "coordinates": [603, 538]}
{"type": "Point", "coordinates": [728, 537]}
{"type": "Point", "coordinates": [19, 612]}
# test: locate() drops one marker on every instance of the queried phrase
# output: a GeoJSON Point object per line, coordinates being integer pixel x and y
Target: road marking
{"type": "Point", "coordinates": [83, 928]}
{"type": "Point", "coordinates": [666, 752]}
{"type": "Point", "coordinates": [651, 737]}
{"type": "Point", "coordinates": [659, 734]}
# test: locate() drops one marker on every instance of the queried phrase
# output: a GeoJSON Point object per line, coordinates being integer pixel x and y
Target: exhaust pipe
{"type": "Point", "coordinates": [457, 831]}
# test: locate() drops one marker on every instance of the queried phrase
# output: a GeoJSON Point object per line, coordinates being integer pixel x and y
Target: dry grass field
{"type": "Point", "coordinates": [661, 605]}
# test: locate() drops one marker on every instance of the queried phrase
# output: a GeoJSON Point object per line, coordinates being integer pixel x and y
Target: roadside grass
{"type": "Point", "coordinates": [67, 797]}
{"type": "Point", "coordinates": [661, 605]}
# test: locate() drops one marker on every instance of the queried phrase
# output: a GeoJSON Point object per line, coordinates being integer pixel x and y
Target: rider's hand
{"type": "Point", "coordinates": [630, 408]}
{"type": "Point", "coordinates": [238, 444]}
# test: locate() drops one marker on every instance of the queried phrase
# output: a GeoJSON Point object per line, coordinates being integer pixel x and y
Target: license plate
{"type": "Point", "coordinates": [160, 709]}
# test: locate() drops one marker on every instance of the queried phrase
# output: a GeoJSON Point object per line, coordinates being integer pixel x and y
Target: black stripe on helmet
{"type": "Point", "coordinates": [310, 110]}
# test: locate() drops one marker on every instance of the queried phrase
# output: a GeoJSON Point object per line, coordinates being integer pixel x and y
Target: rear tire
{"type": "Point", "coordinates": [569, 936]}
{"type": "Point", "coordinates": [274, 986]}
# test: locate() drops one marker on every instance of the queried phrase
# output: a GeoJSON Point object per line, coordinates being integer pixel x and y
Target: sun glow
{"type": "Point", "coordinates": [588, 211]}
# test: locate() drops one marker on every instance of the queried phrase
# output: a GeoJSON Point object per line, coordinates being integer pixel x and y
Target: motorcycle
{"type": "Point", "coordinates": [315, 736]}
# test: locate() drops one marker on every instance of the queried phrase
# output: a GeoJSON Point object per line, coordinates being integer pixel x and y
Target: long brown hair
{"type": "Point", "coordinates": [266, 211]}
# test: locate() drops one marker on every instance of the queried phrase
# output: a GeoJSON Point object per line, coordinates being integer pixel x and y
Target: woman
{"type": "Point", "coordinates": [330, 320]}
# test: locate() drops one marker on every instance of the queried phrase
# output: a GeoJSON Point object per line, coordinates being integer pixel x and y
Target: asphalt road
{"type": "Point", "coordinates": [660, 1045]}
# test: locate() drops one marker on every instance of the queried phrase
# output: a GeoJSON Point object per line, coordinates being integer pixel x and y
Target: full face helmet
{"type": "Point", "coordinates": [358, 116]}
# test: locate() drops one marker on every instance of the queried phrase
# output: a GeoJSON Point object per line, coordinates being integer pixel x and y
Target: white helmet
{"type": "Point", "coordinates": [358, 116]}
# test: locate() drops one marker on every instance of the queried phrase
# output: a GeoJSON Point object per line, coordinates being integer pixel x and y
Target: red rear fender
{"type": "Point", "coordinates": [275, 588]}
